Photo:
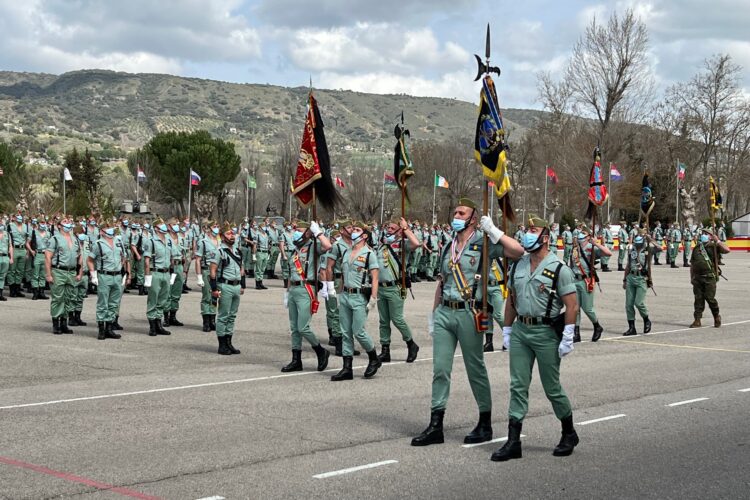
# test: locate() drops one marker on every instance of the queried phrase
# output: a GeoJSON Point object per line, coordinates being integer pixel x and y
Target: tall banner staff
{"type": "Point", "coordinates": [597, 196]}
{"type": "Point", "coordinates": [715, 203]}
{"type": "Point", "coordinates": [490, 151]}
{"type": "Point", "coordinates": [402, 170]}
{"type": "Point", "coordinates": [647, 205]}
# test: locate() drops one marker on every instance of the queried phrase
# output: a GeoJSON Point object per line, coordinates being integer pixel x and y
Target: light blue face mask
{"type": "Point", "coordinates": [638, 240]}
{"type": "Point", "coordinates": [532, 242]}
{"type": "Point", "coordinates": [43, 227]}
{"type": "Point", "coordinates": [19, 218]}
{"type": "Point", "coordinates": [297, 236]}
{"type": "Point", "coordinates": [147, 226]}
{"type": "Point", "coordinates": [458, 225]}
{"type": "Point", "coordinates": [109, 232]}
{"type": "Point", "coordinates": [215, 230]}
{"type": "Point", "coordinates": [581, 237]}
{"type": "Point", "coordinates": [162, 228]}
{"type": "Point", "coordinates": [125, 223]}
{"type": "Point", "coordinates": [356, 236]}
{"type": "Point", "coordinates": [704, 238]}
{"type": "Point", "coordinates": [390, 239]}
{"type": "Point", "coordinates": [82, 237]}
{"type": "Point", "coordinates": [176, 228]}
{"type": "Point", "coordinates": [67, 227]}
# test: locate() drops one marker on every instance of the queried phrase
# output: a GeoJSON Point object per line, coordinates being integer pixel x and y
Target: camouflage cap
{"type": "Point", "coordinates": [536, 221]}
{"type": "Point", "coordinates": [708, 230]}
{"type": "Point", "coordinates": [466, 202]}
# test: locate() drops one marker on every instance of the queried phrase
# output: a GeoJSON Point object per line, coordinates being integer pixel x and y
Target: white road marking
{"type": "Point", "coordinates": [680, 403]}
{"type": "Point", "coordinates": [498, 440]}
{"type": "Point", "coordinates": [675, 331]}
{"type": "Point", "coordinates": [603, 419]}
{"type": "Point", "coordinates": [745, 390]}
{"type": "Point", "coordinates": [354, 469]}
{"type": "Point", "coordinates": [212, 498]}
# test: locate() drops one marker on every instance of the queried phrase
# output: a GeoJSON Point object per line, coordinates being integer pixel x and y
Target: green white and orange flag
{"type": "Point", "coordinates": [441, 181]}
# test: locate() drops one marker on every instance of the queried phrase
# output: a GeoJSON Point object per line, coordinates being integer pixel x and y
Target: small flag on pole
{"type": "Point", "coordinates": [66, 175]}
{"type": "Point", "coordinates": [441, 181]}
{"type": "Point", "coordinates": [250, 181]}
{"type": "Point", "coordinates": [552, 175]}
{"type": "Point", "coordinates": [681, 169]}
{"type": "Point", "coordinates": [141, 174]}
{"type": "Point", "coordinates": [195, 179]}
{"type": "Point", "coordinates": [616, 175]}
{"type": "Point", "coordinates": [390, 180]}
{"type": "Point", "coordinates": [339, 182]}
{"type": "Point", "coordinates": [715, 195]}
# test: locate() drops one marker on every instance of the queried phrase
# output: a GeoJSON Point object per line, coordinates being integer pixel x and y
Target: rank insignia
{"type": "Point", "coordinates": [472, 261]}
{"type": "Point", "coordinates": [542, 288]}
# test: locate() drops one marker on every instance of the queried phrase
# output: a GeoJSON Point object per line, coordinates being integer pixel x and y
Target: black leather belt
{"type": "Point", "coordinates": [388, 283]}
{"type": "Point", "coordinates": [301, 283]}
{"type": "Point", "coordinates": [3, 254]}
{"type": "Point", "coordinates": [64, 268]}
{"type": "Point", "coordinates": [229, 282]}
{"type": "Point", "coordinates": [161, 270]}
{"type": "Point", "coordinates": [111, 273]}
{"type": "Point", "coordinates": [455, 304]}
{"type": "Point", "coordinates": [495, 283]}
{"type": "Point", "coordinates": [530, 320]}
{"type": "Point", "coordinates": [19, 246]}
{"type": "Point", "coordinates": [337, 275]}
{"type": "Point", "coordinates": [356, 290]}
{"type": "Point", "coordinates": [176, 262]}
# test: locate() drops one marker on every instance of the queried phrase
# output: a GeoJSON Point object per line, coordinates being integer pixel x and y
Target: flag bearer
{"type": "Point", "coordinates": [637, 281]}
{"type": "Point", "coordinates": [585, 252]}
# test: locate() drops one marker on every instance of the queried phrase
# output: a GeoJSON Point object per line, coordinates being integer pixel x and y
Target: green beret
{"type": "Point", "coordinates": [303, 224]}
{"type": "Point", "coordinates": [585, 229]}
{"type": "Point", "coordinates": [536, 221]}
{"type": "Point", "coordinates": [345, 222]}
{"type": "Point", "coordinates": [467, 202]}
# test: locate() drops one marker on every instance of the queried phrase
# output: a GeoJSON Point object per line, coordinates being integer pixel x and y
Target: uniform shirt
{"type": "Point", "coordinates": [687, 235]}
{"type": "Point", "coordinates": [675, 235]}
{"type": "Point", "coordinates": [584, 254]}
{"type": "Point", "coordinates": [356, 267]}
{"type": "Point", "coordinates": [658, 235]}
{"type": "Point", "coordinates": [227, 266]}
{"type": "Point", "coordinates": [19, 234]}
{"type": "Point", "coordinates": [108, 258]}
{"type": "Point", "coordinates": [206, 250]}
{"type": "Point", "coordinates": [469, 263]}
{"type": "Point", "coordinates": [567, 237]}
{"type": "Point", "coordinates": [262, 239]}
{"type": "Point", "coordinates": [286, 238]}
{"type": "Point", "coordinates": [4, 243]}
{"type": "Point", "coordinates": [392, 256]}
{"type": "Point", "coordinates": [722, 234]}
{"type": "Point", "coordinates": [608, 238]}
{"type": "Point", "coordinates": [336, 253]}
{"type": "Point", "coordinates": [273, 236]}
{"type": "Point", "coordinates": [306, 260]}
{"type": "Point", "coordinates": [637, 258]}
{"type": "Point", "coordinates": [553, 235]}
{"type": "Point", "coordinates": [159, 251]}
{"type": "Point", "coordinates": [622, 235]}
{"type": "Point", "coordinates": [64, 254]}
{"type": "Point", "coordinates": [699, 266]}
{"type": "Point", "coordinates": [531, 290]}
{"type": "Point", "coordinates": [40, 239]}
{"type": "Point", "coordinates": [176, 249]}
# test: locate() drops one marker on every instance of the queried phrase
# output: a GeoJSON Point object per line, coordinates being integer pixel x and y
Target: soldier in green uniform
{"type": "Point", "coordinates": [300, 298]}
{"type": "Point", "coordinates": [390, 298]}
{"type": "Point", "coordinates": [334, 261]}
{"type": "Point", "coordinates": [674, 236]}
{"type": "Point", "coordinates": [453, 319]}
{"type": "Point", "coordinates": [64, 267]}
{"type": "Point", "coordinates": [108, 265]}
{"type": "Point", "coordinates": [19, 233]}
{"type": "Point", "coordinates": [360, 279]}
{"type": "Point", "coordinates": [261, 252]}
{"type": "Point", "coordinates": [416, 254]}
{"type": "Point", "coordinates": [554, 233]}
{"type": "Point", "coordinates": [496, 299]}
{"type": "Point", "coordinates": [138, 236]}
{"type": "Point", "coordinates": [245, 246]}
{"type": "Point", "coordinates": [540, 286]}
{"type": "Point", "coordinates": [273, 248]}
{"type": "Point", "coordinates": [585, 252]}
{"type": "Point", "coordinates": [157, 255]}
{"type": "Point", "coordinates": [227, 282]}
{"type": "Point", "coordinates": [35, 247]}
{"type": "Point", "coordinates": [658, 236]}
{"type": "Point", "coordinates": [622, 245]}
{"type": "Point", "coordinates": [82, 287]}
{"type": "Point", "coordinates": [207, 249]}
{"type": "Point", "coordinates": [567, 240]}
{"type": "Point", "coordinates": [704, 274]}
{"type": "Point", "coordinates": [519, 233]}
{"type": "Point", "coordinates": [177, 277]}
{"type": "Point", "coordinates": [6, 257]}
{"type": "Point", "coordinates": [286, 248]}
{"type": "Point", "coordinates": [637, 281]}
{"type": "Point", "coordinates": [609, 241]}
{"type": "Point", "coordinates": [688, 235]}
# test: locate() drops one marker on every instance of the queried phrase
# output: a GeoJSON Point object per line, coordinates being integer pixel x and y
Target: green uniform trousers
{"type": "Point", "coordinates": [4, 266]}
{"type": "Point", "coordinates": [528, 344]}
{"type": "Point", "coordinates": [229, 304]}
{"type": "Point", "coordinates": [704, 290]}
{"type": "Point", "coordinates": [285, 271]}
{"type": "Point", "coordinates": [247, 256]}
{"type": "Point", "coordinates": [686, 253]}
{"type": "Point", "coordinates": [38, 278]}
{"type": "Point", "coordinates": [108, 296]}
{"type": "Point", "coordinates": [17, 269]}
{"type": "Point", "coordinates": [273, 256]}
{"type": "Point", "coordinates": [353, 316]}
{"type": "Point", "coordinates": [391, 309]}
{"type": "Point", "coordinates": [175, 290]}
{"type": "Point", "coordinates": [207, 306]}
{"type": "Point", "coordinates": [452, 327]}
{"type": "Point", "coordinates": [140, 271]}
{"type": "Point", "coordinates": [497, 301]}
{"type": "Point", "coordinates": [332, 312]}
{"type": "Point", "coordinates": [621, 253]}
{"type": "Point", "coordinates": [28, 270]}
{"type": "Point", "coordinates": [604, 258]}
{"type": "Point", "coordinates": [261, 260]}
{"type": "Point", "coordinates": [416, 258]}
{"type": "Point", "coordinates": [585, 301]}
{"type": "Point", "coordinates": [567, 250]}
{"type": "Point", "coordinates": [62, 293]}
{"type": "Point", "coordinates": [300, 316]}
{"type": "Point", "coordinates": [635, 296]}
{"type": "Point", "coordinates": [674, 249]}
{"type": "Point", "coordinates": [158, 295]}
{"type": "Point", "coordinates": [79, 293]}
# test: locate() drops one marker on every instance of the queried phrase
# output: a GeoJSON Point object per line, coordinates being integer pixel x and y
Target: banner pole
{"type": "Point", "coordinates": [546, 179]}
{"type": "Point", "coordinates": [434, 192]}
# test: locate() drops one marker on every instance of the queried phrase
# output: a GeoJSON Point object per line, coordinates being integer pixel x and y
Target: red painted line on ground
{"type": "Point", "coordinates": [76, 479]}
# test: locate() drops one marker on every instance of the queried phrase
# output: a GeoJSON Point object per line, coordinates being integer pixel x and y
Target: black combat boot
{"type": "Point", "coordinates": [346, 371]}
{"type": "Point", "coordinates": [12, 291]}
{"type": "Point", "coordinates": [296, 363]}
{"type": "Point", "coordinates": [41, 294]}
{"type": "Point", "coordinates": [56, 326]}
{"type": "Point", "coordinates": [79, 321]}
{"type": "Point", "coordinates": [483, 430]}
{"type": "Point", "coordinates": [232, 349]}
{"type": "Point", "coordinates": [206, 323]}
{"type": "Point", "coordinates": [72, 318]}
{"type": "Point", "coordinates": [606, 269]}
{"type": "Point", "coordinates": [251, 273]}
{"type": "Point", "coordinates": [115, 325]}
{"type": "Point", "coordinates": [717, 319]}
{"type": "Point", "coordinates": [109, 331]}
{"type": "Point", "coordinates": [286, 282]}
{"type": "Point", "coordinates": [415, 279]}
{"type": "Point", "coordinates": [512, 447]}
{"type": "Point", "coordinates": [2, 298]}
{"type": "Point", "coordinates": [631, 329]}
{"type": "Point", "coordinates": [674, 266]}
{"type": "Point", "coordinates": [212, 322]}
{"type": "Point", "coordinates": [577, 334]}
{"type": "Point", "coordinates": [433, 434]}
{"type": "Point", "coordinates": [19, 293]}
{"type": "Point", "coordinates": [185, 288]}
{"type": "Point", "coordinates": [373, 365]}
{"type": "Point", "coordinates": [597, 332]}
{"type": "Point", "coordinates": [569, 438]}
{"type": "Point", "coordinates": [35, 294]}
{"type": "Point", "coordinates": [64, 325]}
{"type": "Point", "coordinates": [166, 318]}
{"type": "Point", "coordinates": [322, 355]}
{"type": "Point", "coordinates": [259, 285]}
{"type": "Point", "coordinates": [619, 267]}
{"type": "Point", "coordinates": [152, 329]}
{"type": "Point", "coordinates": [338, 341]}
{"type": "Point", "coordinates": [413, 349]}
{"type": "Point", "coordinates": [160, 329]}
{"type": "Point", "coordinates": [385, 354]}
{"type": "Point", "coordinates": [223, 347]}
{"type": "Point", "coordinates": [331, 338]}
{"type": "Point", "coordinates": [173, 319]}
{"type": "Point", "coordinates": [646, 325]}
{"type": "Point", "coordinates": [102, 334]}
{"type": "Point", "coordinates": [142, 290]}
{"type": "Point", "coordinates": [429, 277]}
{"type": "Point", "coordinates": [488, 346]}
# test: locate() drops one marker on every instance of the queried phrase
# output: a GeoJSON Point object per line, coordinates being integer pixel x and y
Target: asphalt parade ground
{"type": "Point", "coordinates": [662, 415]}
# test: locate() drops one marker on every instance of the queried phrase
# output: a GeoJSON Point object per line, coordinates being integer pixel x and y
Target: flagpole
{"type": "Point", "coordinates": [382, 201]}
{"type": "Point", "coordinates": [546, 179]}
{"type": "Point", "coordinates": [434, 192]}
{"type": "Point", "coordinates": [190, 191]}
{"type": "Point", "coordinates": [677, 194]}
{"type": "Point", "coordinates": [65, 199]}
{"type": "Point", "coordinates": [137, 181]}
{"type": "Point", "coordinates": [609, 190]}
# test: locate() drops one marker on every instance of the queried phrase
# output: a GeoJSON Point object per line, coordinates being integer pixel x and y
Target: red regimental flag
{"type": "Point", "coordinates": [308, 166]}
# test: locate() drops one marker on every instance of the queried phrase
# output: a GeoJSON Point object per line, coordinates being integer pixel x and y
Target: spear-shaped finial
{"type": "Point", "coordinates": [484, 68]}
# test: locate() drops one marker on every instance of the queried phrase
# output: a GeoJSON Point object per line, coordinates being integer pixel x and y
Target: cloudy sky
{"type": "Point", "coordinates": [419, 47]}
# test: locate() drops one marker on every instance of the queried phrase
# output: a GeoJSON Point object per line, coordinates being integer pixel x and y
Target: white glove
{"type": "Point", "coordinates": [331, 287]}
{"type": "Point", "coordinates": [566, 345]}
{"type": "Point", "coordinates": [324, 291]}
{"type": "Point", "coordinates": [147, 281]}
{"type": "Point", "coordinates": [200, 282]}
{"type": "Point", "coordinates": [431, 324]}
{"type": "Point", "coordinates": [94, 278]}
{"type": "Point", "coordinates": [506, 337]}
{"type": "Point", "coordinates": [286, 300]}
{"type": "Point", "coordinates": [124, 279]}
{"type": "Point", "coordinates": [372, 304]}
{"type": "Point", "coordinates": [315, 229]}
{"type": "Point", "coordinates": [486, 224]}
{"type": "Point", "coordinates": [172, 279]}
